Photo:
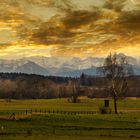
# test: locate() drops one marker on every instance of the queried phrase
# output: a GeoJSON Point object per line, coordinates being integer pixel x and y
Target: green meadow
{"type": "Point", "coordinates": [53, 126]}
{"type": "Point", "coordinates": [63, 104]}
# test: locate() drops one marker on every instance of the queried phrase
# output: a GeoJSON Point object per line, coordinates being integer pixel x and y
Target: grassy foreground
{"type": "Point", "coordinates": [124, 126]}
{"type": "Point", "coordinates": [63, 104]}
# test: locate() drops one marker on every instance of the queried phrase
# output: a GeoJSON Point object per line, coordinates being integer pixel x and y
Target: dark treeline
{"type": "Point", "coordinates": [31, 86]}
{"type": "Point", "coordinates": [25, 86]}
{"type": "Point", "coordinates": [14, 76]}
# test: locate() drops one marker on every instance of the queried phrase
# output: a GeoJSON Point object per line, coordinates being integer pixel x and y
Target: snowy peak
{"type": "Point", "coordinates": [31, 68]}
{"type": "Point", "coordinates": [60, 66]}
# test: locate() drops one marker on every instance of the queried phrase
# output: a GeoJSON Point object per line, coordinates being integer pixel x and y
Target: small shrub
{"type": "Point", "coordinates": [104, 110]}
{"type": "Point", "coordinates": [29, 132]}
{"type": "Point", "coordinates": [71, 100]}
{"type": "Point", "coordinates": [8, 100]}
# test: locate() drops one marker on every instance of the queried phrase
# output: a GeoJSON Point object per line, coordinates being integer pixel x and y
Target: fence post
{"type": "Point", "coordinates": [26, 112]}
{"type": "Point", "coordinates": [54, 130]}
{"type": "Point", "coordinates": [31, 111]}
{"type": "Point", "coordinates": [106, 103]}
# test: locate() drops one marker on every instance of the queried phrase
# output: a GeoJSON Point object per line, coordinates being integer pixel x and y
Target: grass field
{"type": "Point", "coordinates": [124, 126]}
{"type": "Point", "coordinates": [63, 104]}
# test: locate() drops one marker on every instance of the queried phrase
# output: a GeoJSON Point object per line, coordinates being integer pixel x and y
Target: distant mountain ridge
{"type": "Point", "coordinates": [72, 67]}
{"type": "Point", "coordinates": [31, 68]}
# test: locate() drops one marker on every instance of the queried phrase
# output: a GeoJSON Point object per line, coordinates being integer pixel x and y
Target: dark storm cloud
{"type": "Point", "coordinates": [116, 5]}
{"type": "Point", "coordinates": [5, 45]}
{"type": "Point", "coordinates": [130, 20]}
{"type": "Point", "coordinates": [76, 19]}
{"type": "Point", "coordinates": [126, 26]}
{"type": "Point", "coordinates": [62, 30]}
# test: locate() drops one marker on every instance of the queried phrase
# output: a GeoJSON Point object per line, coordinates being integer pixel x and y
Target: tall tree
{"type": "Point", "coordinates": [75, 91]}
{"type": "Point", "coordinates": [116, 70]}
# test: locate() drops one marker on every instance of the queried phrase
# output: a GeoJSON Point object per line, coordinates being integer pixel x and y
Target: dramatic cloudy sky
{"type": "Point", "coordinates": [69, 28]}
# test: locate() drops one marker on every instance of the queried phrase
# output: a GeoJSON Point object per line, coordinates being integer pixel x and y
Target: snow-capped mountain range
{"type": "Point", "coordinates": [73, 67]}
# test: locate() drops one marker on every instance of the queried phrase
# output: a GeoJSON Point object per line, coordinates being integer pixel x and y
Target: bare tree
{"type": "Point", "coordinates": [75, 91]}
{"type": "Point", "coordinates": [116, 70]}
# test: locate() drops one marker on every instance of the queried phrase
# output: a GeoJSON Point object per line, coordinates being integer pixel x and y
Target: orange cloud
{"type": "Point", "coordinates": [95, 31]}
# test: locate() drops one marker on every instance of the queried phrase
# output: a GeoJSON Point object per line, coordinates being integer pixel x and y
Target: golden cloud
{"type": "Point", "coordinates": [82, 33]}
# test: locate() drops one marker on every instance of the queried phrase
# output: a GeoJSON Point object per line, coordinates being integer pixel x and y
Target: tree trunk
{"type": "Point", "coordinates": [115, 105]}
{"type": "Point", "coordinates": [74, 99]}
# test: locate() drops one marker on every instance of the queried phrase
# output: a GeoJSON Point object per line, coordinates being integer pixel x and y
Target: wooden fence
{"type": "Point", "coordinates": [45, 111]}
{"type": "Point", "coordinates": [14, 114]}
